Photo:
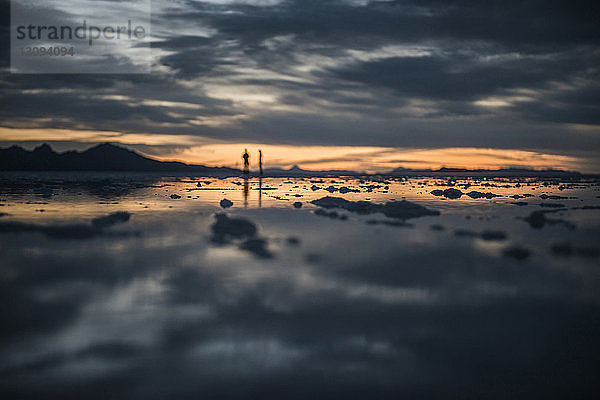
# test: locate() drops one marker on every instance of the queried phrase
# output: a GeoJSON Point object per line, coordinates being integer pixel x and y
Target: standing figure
{"type": "Point", "coordinates": [246, 158]}
{"type": "Point", "coordinates": [260, 161]}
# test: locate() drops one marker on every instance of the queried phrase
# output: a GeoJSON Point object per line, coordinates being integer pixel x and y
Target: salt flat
{"type": "Point", "coordinates": [140, 286]}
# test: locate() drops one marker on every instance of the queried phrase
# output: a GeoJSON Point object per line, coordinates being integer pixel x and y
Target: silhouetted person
{"type": "Point", "coordinates": [246, 158]}
{"type": "Point", "coordinates": [260, 161]}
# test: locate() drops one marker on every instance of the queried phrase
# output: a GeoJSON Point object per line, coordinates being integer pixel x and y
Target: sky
{"type": "Point", "coordinates": [353, 84]}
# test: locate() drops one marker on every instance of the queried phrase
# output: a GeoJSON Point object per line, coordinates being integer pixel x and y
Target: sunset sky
{"type": "Point", "coordinates": [349, 84]}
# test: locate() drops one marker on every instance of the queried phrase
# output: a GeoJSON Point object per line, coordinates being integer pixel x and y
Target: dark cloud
{"type": "Point", "coordinates": [512, 22]}
{"type": "Point", "coordinates": [392, 73]}
{"type": "Point", "coordinates": [462, 77]}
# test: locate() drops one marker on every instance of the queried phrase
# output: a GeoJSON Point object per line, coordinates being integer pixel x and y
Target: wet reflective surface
{"type": "Point", "coordinates": [178, 297]}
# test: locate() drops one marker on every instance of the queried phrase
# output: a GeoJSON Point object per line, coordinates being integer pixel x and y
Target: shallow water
{"type": "Point", "coordinates": [360, 307]}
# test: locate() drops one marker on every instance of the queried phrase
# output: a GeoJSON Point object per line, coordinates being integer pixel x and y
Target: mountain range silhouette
{"type": "Point", "coordinates": [103, 157]}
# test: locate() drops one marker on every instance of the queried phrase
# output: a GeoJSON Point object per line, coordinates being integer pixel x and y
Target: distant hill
{"type": "Point", "coordinates": [505, 172]}
{"type": "Point", "coordinates": [103, 157]}
{"type": "Point", "coordinates": [296, 171]}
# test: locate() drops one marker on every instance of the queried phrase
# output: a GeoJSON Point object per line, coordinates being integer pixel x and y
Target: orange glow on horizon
{"type": "Point", "coordinates": [370, 159]}
{"type": "Point", "coordinates": [200, 150]}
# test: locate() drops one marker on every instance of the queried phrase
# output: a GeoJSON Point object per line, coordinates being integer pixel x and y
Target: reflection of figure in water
{"type": "Point", "coordinates": [260, 191]}
{"type": "Point", "coordinates": [260, 169]}
{"type": "Point", "coordinates": [246, 191]}
{"type": "Point", "coordinates": [246, 158]}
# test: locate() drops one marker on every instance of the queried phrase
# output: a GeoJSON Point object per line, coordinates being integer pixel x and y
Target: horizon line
{"type": "Point", "coordinates": [394, 170]}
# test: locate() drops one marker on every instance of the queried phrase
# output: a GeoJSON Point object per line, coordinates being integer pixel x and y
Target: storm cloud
{"type": "Point", "coordinates": [427, 74]}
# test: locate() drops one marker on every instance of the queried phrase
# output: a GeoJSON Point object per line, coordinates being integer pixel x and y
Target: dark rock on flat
{"type": "Point", "coordinates": [330, 214]}
{"type": "Point", "coordinates": [70, 231]}
{"type": "Point", "coordinates": [465, 233]}
{"type": "Point", "coordinates": [226, 228]}
{"type": "Point", "coordinates": [392, 209]}
{"type": "Point", "coordinates": [111, 219]}
{"type": "Point", "coordinates": [345, 189]}
{"type": "Point", "coordinates": [293, 241]}
{"type": "Point", "coordinates": [398, 224]}
{"type": "Point", "coordinates": [405, 209]}
{"type": "Point", "coordinates": [475, 194]}
{"type": "Point", "coordinates": [536, 219]}
{"type": "Point", "coordinates": [552, 205]}
{"type": "Point", "coordinates": [370, 188]}
{"type": "Point", "coordinates": [478, 195]}
{"type": "Point", "coordinates": [452, 193]}
{"type": "Point", "coordinates": [493, 235]}
{"type": "Point", "coordinates": [516, 252]}
{"type": "Point", "coordinates": [562, 249]}
{"type": "Point", "coordinates": [485, 235]}
{"type": "Point", "coordinates": [568, 250]}
{"type": "Point", "coordinates": [225, 203]}
{"type": "Point", "coordinates": [332, 202]}
{"type": "Point", "coordinates": [297, 204]}
{"type": "Point", "coordinates": [175, 196]}
{"type": "Point", "coordinates": [257, 246]}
